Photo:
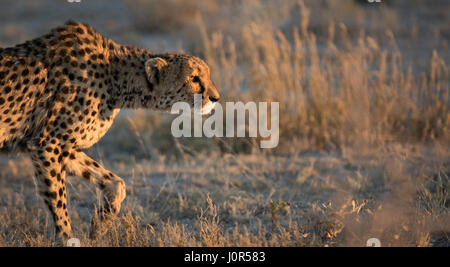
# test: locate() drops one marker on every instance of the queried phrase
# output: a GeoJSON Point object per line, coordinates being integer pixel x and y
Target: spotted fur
{"type": "Point", "coordinates": [60, 93]}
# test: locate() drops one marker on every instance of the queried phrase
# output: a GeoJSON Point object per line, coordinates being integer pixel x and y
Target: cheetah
{"type": "Point", "coordinates": [60, 93]}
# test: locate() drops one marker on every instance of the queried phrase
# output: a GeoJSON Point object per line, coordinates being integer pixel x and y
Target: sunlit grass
{"type": "Point", "coordinates": [364, 139]}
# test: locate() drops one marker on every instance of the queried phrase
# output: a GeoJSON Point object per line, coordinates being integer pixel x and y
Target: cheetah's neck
{"type": "Point", "coordinates": [129, 88]}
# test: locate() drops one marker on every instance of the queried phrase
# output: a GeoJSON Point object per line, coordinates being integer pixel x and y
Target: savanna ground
{"type": "Point", "coordinates": [364, 127]}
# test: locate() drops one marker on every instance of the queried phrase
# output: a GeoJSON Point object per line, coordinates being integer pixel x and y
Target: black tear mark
{"type": "Point", "coordinates": [156, 71]}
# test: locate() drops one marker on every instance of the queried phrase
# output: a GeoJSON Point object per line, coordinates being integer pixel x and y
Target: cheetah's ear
{"type": "Point", "coordinates": [153, 68]}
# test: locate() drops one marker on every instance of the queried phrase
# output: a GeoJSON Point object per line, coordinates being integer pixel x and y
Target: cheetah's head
{"type": "Point", "coordinates": [177, 78]}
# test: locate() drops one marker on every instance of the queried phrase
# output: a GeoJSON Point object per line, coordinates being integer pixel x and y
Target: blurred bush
{"type": "Point", "coordinates": [336, 84]}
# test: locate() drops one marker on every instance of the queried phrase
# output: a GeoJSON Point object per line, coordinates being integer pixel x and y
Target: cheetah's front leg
{"type": "Point", "coordinates": [112, 186]}
{"type": "Point", "coordinates": [51, 181]}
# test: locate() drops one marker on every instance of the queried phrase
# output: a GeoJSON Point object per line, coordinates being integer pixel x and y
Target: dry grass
{"type": "Point", "coordinates": [399, 194]}
{"type": "Point", "coordinates": [346, 89]}
{"type": "Point", "coordinates": [337, 95]}
{"type": "Point", "coordinates": [364, 146]}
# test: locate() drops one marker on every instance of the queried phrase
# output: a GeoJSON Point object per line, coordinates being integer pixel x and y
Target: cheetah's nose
{"type": "Point", "coordinates": [213, 99]}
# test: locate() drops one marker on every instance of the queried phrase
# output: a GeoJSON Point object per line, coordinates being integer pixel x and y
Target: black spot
{"type": "Point", "coordinates": [86, 175]}
{"type": "Point", "coordinates": [13, 77]}
{"type": "Point", "coordinates": [51, 195]}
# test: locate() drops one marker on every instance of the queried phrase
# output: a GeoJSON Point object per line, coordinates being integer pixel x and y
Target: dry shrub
{"type": "Point", "coordinates": [347, 93]}
{"type": "Point", "coordinates": [337, 86]}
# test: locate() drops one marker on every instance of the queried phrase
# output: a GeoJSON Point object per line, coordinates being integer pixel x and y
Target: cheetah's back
{"type": "Point", "coordinates": [23, 78]}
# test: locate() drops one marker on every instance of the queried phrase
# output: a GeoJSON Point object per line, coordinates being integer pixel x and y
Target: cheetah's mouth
{"type": "Point", "coordinates": [207, 108]}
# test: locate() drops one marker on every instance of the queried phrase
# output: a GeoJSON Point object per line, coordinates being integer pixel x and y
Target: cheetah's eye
{"type": "Point", "coordinates": [196, 79]}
